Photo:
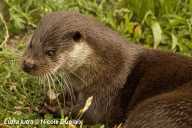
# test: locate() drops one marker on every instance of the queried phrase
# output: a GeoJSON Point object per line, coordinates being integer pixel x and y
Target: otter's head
{"type": "Point", "coordinates": [57, 44]}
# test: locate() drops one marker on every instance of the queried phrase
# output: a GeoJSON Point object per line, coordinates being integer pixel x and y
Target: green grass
{"type": "Point", "coordinates": [164, 24]}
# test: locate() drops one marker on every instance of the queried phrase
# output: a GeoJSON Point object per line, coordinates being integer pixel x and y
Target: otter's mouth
{"type": "Point", "coordinates": [33, 72]}
{"type": "Point", "coordinates": [39, 70]}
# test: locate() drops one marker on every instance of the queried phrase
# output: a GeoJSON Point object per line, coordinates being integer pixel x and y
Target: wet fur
{"type": "Point", "coordinates": [142, 88]}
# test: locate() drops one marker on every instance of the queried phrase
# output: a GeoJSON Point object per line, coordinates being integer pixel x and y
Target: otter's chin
{"type": "Point", "coordinates": [37, 72]}
{"type": "Point", "coordinates": [43, 72]}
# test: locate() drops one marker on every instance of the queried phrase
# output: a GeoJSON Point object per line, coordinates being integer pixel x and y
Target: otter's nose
{"type": "Point", "coordinates": [28, 66]}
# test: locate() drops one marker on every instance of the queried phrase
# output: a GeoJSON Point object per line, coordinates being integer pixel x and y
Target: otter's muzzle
{"type": "Point", "coordinates": [28, 66]}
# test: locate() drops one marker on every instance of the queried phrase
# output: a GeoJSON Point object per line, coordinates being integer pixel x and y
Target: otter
{"type": "Point", "coordinates": [129, 84]}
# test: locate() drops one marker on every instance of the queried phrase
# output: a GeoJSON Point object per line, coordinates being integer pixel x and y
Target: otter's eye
{"type": "Point", "coordinates": [50, 52]}
{"type": "Point", "coordinates": [77, 36]}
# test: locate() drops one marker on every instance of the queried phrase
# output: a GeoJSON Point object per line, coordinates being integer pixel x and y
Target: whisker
{"type": "Point", "coordinates": [49, 85]}
{"type": "Point", "coordinates": [66, 84]}
{"type": "Point", "coordinates": [61, 86]}
{"type": "Point", "coordinates": [69, 80]}
{"type": "Point", "coordinates": [53, 82]}
{"type": "Point", "coordinates": [77, 76]}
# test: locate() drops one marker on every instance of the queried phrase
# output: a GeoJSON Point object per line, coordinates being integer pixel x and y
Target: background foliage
{"type": "Point", "coordinates": [164, 24]}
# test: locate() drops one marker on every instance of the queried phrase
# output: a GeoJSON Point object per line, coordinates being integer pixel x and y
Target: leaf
{"type": "Point", "coordinates": [86, 107]}
{"type": "Point", "coordinates": [157, 33]}
{"type": "Point", "coordinates": [174, 41]}
{"type": "Point", "coordinates": [137, 31]}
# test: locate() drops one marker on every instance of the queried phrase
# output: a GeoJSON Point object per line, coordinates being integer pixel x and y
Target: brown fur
{"type": "Point", "coordinates": [144, 88]}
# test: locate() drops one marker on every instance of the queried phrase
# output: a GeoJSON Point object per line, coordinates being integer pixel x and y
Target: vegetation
{"type": "Point", "coordinates": [164, 24]}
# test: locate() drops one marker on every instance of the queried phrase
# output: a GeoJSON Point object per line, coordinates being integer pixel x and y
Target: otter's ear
{"type": "Point", "coordinates": [77, 36]}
